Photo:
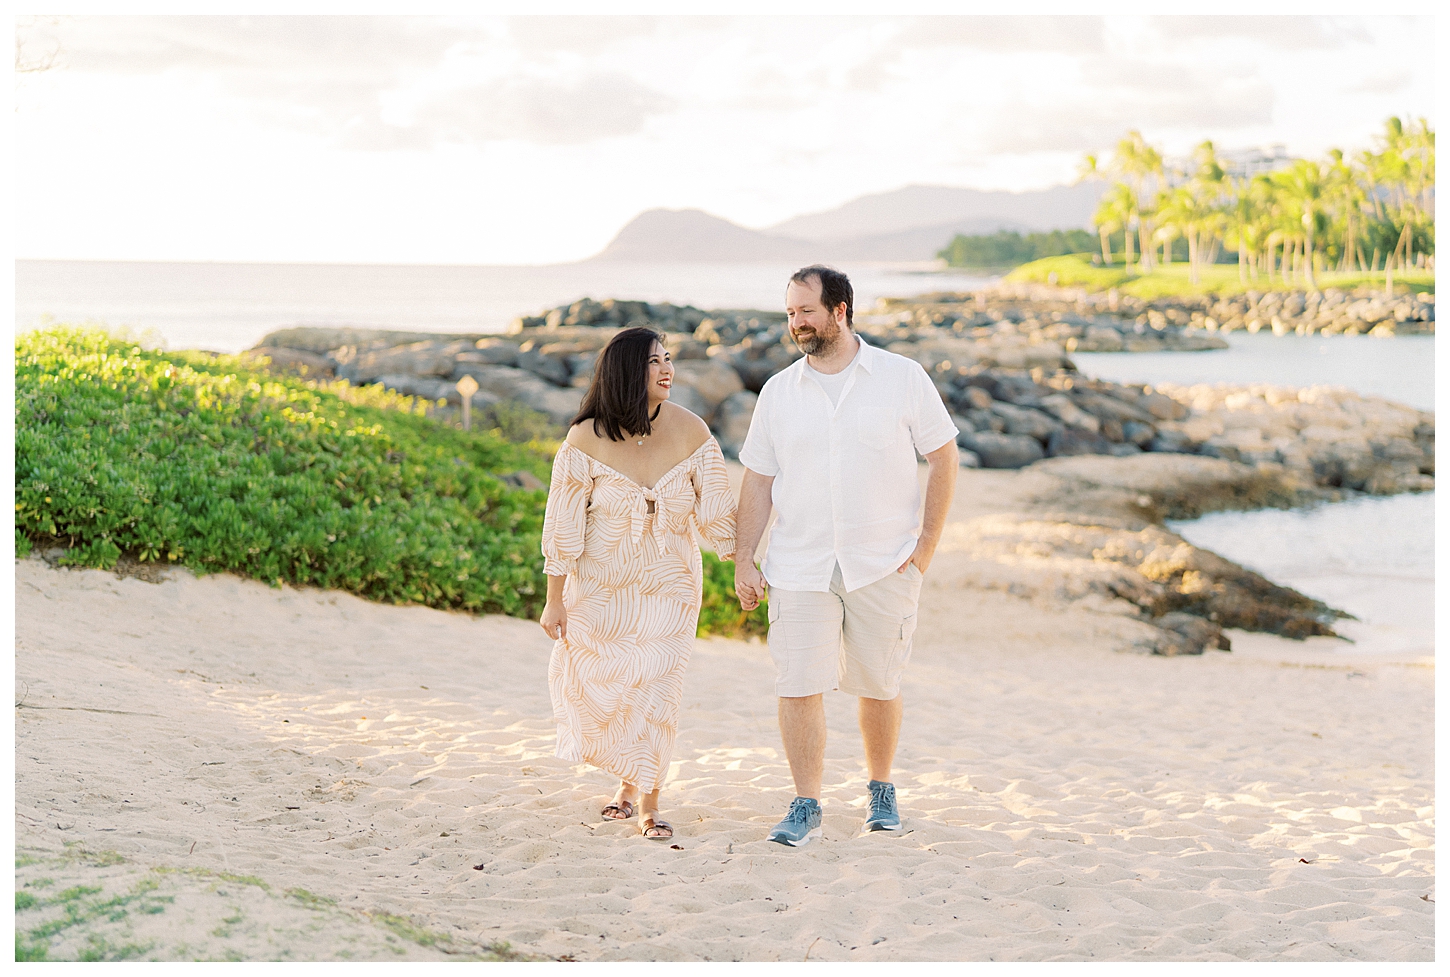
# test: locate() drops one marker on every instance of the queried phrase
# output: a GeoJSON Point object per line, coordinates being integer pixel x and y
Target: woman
{"type": "Point", "coordinates": [631, 482]}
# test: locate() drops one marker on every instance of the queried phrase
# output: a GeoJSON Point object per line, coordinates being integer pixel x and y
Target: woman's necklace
{"type": "Point", "coordinates": [652, 418]}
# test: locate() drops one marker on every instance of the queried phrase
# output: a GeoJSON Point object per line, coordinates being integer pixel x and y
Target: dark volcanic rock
{"type": "Point", "coordinates": [985, 420]}
{"type": "Point", "coordinates": [429, 358]}
{"type": "Point", "coordinates": [1163, 407]}
{"type": "Point", "coordinates": [521, 386]}
{"type": "Point", "coordinates": [1140, 434]}
{"type": "Point", "coordinates": [325, 339]}
{"type": "Point", "coordinates": [1024, 420]}
{"type": "Point", "coordinates": [1185, 634]}
{"type": "Point", "coordinates": [549, 361]}
{"type": "Point", "coordinates": [1076, 441]}
{"type": "Point", "coordinates": [732, 421]}
{"type": "Point", "coordinates": [757, 363]}
{"type": "Point", "coordinates": [291, 362]}
{"type": "Point", "coordinates": [1018, 389]}
{"type": "Point", "coordinates": [1107, 408]}
{"type": "Point", "coordinates": [498, 352]}
{"type": "Point", "coordinates": [1002, 450]}
{"type": "Point", "coordinates": [1172, 441]}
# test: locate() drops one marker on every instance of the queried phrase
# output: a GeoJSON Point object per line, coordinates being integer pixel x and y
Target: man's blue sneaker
{"type": "Point", "coordinates": [802, 823]}
{"type": "Point", "coordinates": [883, 816]}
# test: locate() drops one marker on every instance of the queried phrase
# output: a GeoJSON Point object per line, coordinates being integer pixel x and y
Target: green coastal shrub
{"type": "Point", "coordinates": [720, 611]}
{"type": "Point", "coordinates": [203, 461]}
{"type": "Point", "coordinates": [1008, 248]}
{"type": "Point", "coordinates": [206, 462]}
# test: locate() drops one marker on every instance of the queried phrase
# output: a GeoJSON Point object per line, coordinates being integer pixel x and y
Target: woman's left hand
{"type": "Point", "coordinates": [555, 620]}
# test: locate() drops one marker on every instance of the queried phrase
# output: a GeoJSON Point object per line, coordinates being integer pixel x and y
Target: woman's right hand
{"type": "Point", "coordinates": [555, 620]}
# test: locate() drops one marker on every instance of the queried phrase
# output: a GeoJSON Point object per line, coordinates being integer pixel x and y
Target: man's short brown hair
{"type": "Point", "coordinates": [835, 287]}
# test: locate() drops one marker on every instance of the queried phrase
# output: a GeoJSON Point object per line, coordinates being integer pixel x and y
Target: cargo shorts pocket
{"type": "Point", "coordinates": [900, 653]}
{"type": "Point", "coordinates": [775, 641]}
{"type": "Point", "coordinates": [905, 631]}
{"type": "Point", "coordinates": [805, 641]}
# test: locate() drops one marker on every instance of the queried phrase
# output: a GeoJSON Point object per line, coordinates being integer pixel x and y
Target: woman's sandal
{"type": "Point", "coordinates": [656, 824]}
{"type": "Point", "coordinates": [625, 809]}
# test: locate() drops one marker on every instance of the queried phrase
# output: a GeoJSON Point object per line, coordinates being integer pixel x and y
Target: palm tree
{"type": "Point", "coordinates": [1245, 224]}
{"type": "Point", "coordinates": [1402, 181]}
{"type": "Point", "coordinates": [1304, 186]}
{"type": "Point", "coordinates": [1336, 209]}
{"type": "Point", "coordinates": [1175, 216]}
{"type": "Point", "coordinates": [1205, 196]}
{"type": "Point", "coordinates": [1114, 213]}
{"type": "Point", "coordinates": [1166, 229]}
{"type": "Point", "coordinates": [1087, 170]}
{"type": "Point", "coordinates": [1414, 153]}
{"type": "Point", "coordinates": [1344, 198]}
{"type": "Point", "coordinates": [1142, 165]}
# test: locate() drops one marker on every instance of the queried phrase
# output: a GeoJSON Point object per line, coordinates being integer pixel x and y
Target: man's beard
{"type": "Point", "coordinates": [816, 343]}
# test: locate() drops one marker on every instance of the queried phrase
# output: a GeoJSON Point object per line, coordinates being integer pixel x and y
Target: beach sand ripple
{"type": "Point", "coordinates": [382, 781]}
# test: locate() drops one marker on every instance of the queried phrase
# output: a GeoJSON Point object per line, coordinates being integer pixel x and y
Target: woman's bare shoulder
{"type": "Point", "coordinates": [687, 431]}
{"type": "Point", "coordinates": [684, 421]}
{"type": "Point", "coordinates": [582, 435]}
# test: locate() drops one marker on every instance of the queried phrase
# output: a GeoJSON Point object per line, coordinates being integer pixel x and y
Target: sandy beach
{"type": "Point", "coordinates": [246, 772]}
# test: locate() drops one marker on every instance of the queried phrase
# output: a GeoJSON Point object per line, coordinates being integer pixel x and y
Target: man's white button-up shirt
{"type": "Point", "coordinates": [846, 488]}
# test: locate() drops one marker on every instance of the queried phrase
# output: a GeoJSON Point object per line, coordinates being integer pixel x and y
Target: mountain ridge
{"type": "Point", "coordinates": [920, 205]}
{"type": "Point", "coordinates": [910, 224]}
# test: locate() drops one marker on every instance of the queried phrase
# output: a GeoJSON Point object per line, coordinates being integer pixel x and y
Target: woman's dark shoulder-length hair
{"type": "Point", "coordinates": [618, 396]}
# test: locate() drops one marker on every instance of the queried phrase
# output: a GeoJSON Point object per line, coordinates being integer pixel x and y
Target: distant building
{"type": "Point", "coordinates": [1259, 159]}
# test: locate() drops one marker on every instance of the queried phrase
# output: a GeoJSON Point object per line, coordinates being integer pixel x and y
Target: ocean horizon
{"type": "Point", "coordinates": [226, 307]}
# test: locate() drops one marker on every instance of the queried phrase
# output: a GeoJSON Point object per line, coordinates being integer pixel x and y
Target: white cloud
{"type": "Point", "coordinates": [1274, 31]}
{"type": "Point", "coordinates": [586, 34]}
{"type": "Point", "coordinates": [395, 138]}
{"type": "Point", "coordinates": [333, 75]}
{"type": "Point", "coordinates": [1382, 83]}
{"type": "Point", "coordinates": [596, 107]}
{"type": "Point", "coordinates": [1090, 123]}
{"type": "Point", "coordinates": [498, 92]}
{"type": "Point", "coordinates": [1040, 33]}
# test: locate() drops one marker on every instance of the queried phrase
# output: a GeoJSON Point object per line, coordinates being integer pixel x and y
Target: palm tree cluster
{"type": "Point", "coordinates": [1373, 212]}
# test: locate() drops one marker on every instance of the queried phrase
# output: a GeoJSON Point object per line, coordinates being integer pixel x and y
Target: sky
{"type": "Point", "coordinates": [533, 140]}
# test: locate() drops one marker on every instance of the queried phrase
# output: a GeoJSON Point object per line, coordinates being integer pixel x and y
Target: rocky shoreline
{"type": "Point", "coordinates": [1110, 322]}
{"type": "Point", "coordinates": [1011, 386]}
{"type": "Point", "coordinates": [1088, 532]}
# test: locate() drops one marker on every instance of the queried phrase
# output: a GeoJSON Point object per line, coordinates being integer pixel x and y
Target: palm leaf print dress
{"type": "Point", "coordinates": [632, 595]}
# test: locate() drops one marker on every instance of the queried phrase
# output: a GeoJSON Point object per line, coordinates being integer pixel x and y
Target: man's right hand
{"type": "Point", "coordinates": [750, 585]}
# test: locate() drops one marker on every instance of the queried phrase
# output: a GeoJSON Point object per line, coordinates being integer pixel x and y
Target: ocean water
{"type": "Point", "coordinates": [1373, 557]}
{"type": "Point", "coordinates": [229, 307]}
{"type": "Point", "coordinates": [1401, 368]}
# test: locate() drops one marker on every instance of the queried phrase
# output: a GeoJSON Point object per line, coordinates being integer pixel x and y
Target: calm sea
{"type": "Point", "coordinates": [1401, 368]}
{"type": "Point", "coordinates": [229, 307]}
{"type": "Point", "coordinates": [1371, 557]}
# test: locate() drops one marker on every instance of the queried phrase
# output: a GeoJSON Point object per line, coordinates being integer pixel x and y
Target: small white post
{"type": "Point", "coordinates": [467, 387]}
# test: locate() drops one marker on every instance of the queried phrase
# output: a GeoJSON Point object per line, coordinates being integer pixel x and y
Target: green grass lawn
{"type": "Point", "coordinates": [1164, 282]}
{"type": "Point", "coordinates": [206, 462]}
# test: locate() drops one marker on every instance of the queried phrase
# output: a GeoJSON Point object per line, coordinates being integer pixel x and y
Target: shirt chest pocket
{"type": "Point", "coordinates": [879, 430]}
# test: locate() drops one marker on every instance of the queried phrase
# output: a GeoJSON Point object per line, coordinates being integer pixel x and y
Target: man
{"type": "Point", "coordinates": [832, 447]}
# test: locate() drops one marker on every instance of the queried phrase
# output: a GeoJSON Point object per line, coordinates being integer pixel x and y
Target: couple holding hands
{"type": "Point", "coordinates": [832, 448]}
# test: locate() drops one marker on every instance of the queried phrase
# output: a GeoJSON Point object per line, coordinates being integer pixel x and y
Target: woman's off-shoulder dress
{"type": "Point", "coordinates": [632, 595]}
